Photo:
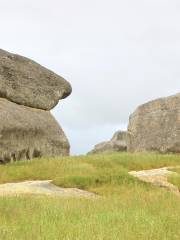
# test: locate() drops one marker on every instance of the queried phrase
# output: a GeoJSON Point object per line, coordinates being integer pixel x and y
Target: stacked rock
{"type": "Point", "coordinates": [27, 92]}
{"type": "Point", "coordinates": [116, 144]}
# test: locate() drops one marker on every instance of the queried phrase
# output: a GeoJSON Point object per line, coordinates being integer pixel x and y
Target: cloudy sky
{"type": "Point", "coordinates": [116, 54]}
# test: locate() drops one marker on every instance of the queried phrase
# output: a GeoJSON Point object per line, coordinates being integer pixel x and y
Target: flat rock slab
{"type": "Point", "coordinates": [42, 187]}
{"type": "Point", "coordinates": [158, 177]}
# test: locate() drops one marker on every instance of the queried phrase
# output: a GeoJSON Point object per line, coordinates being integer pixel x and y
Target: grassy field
{"type": "Point", "coordinates": [175, 179]}
{"type": "Point", "coordinates": [128, 209]}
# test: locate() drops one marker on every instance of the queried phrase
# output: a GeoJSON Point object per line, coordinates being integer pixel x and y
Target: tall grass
{"type": "Point", "coordinates": [127, 209]}
{"type": "Point", "coordinates": [175, 178]}
{"type": "Point", "coordinates": [86, 172]}
{"type": "Point", "coordinates": [131, 214]}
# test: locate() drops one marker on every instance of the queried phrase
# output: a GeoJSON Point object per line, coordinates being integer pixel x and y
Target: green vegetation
{"type": "Point", "coordinates": [175, 179]}
{"type": "Point", "coordinates": [128, 209]}
{"type": "Point", "coordinates": [92, 173]}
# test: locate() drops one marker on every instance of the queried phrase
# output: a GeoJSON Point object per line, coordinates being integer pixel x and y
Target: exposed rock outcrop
{"type": "Point", "coordinates": [25, 82]}
{"type": "Point", "coordinates": [116, 144]}
{"type": "Point", "coordinates": [27, 133]}
{"type": "Point", "coordinates": [27, 130]}
{"type": "Point", "coordinates": [42, 187]}
{"type": "Point", "coordinates": [158, 177]}
{"type": "Point", "coordinates": [155, 126]}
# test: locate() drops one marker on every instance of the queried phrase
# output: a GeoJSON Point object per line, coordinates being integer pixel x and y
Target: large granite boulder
{"type": "Point", "coordinates": [27, 92]}
{"type": "Point", "coordinates": [155, 126]}
{"type": "Point", "coordinates": [116, 144]}
{"type": "Point", "coordinates": [27, 133]}
{"type": "Point", "coordinates": [25, 82]}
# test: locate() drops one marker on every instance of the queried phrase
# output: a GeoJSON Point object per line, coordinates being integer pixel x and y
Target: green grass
{"type": "Point", "coordinates": [175, 178]}
{"type": "Point", "coordinates": [128, 209]}
{"type": "Point", "coordinates": [86, 172]}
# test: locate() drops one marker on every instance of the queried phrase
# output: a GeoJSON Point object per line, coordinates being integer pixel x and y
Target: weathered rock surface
{"type": "Point", "coordinates": [27, 132]}
{"type": "Point", "coordinates": [116, 144]}
{"type": "Point", "coordinates": [45, 187]}
{"type": "Point", "coordinates": [155, 126]}
{"type": "Point", "coordinates": [25, 82]}
{"type": "Point", "coordinates": [157, 177]}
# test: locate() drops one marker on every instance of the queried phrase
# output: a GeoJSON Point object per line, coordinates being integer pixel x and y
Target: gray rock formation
{"type": "Point", "coordinates": [116, 144]}
{"type": "Point", "coordinates": [155, 126]}
{"type": "Point", "coordinates": [27, 133]}
{"type": "Point", "coordinates": [25, 82]}
{"type": "Point", "coordinates": [27, 91]}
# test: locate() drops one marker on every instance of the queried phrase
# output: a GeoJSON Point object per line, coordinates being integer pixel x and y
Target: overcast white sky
{"type": "Point", "coordinates": [117, 54]}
